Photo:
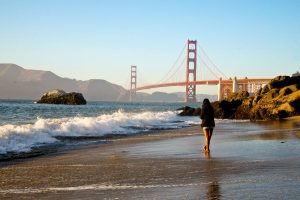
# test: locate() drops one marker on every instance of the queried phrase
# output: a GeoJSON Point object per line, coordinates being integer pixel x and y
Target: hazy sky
{"type": "Point", "coordinates": [85, 39]}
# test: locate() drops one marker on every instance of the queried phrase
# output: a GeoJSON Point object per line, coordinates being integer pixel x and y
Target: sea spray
{"type": "Point", "coordinates": [22, 138]}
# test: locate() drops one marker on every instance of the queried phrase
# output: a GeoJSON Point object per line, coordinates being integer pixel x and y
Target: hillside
{"type": "Point", "coordinates": [19, 83]}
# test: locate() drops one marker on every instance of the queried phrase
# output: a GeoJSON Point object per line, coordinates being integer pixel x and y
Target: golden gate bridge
{"type": "Point", "coordinates": [192, 59]}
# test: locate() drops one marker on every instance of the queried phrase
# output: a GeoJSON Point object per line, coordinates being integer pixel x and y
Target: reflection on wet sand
{"type": "Point", "coordinates": [297, 134]}
{"type": "Point", "coordinates": [213, 188]}
{"type": "Point", "coordinates": [274, 130]}
{"type": "Point", "coordinates": [207, 155]}
{"type": "Point", "coordinates": [213, 191]}
{"type": "Point", "coordinates": [275, 135]}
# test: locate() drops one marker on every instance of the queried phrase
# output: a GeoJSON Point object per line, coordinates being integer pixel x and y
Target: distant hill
{"type": "Point", "coordinates": [200, 97]}
{"type": "Point", "coordinates": [19, 83]}
{"type": "Point", "coordinates": [158, 97]}
{"type": "Point", "coordinates": [172, 97]}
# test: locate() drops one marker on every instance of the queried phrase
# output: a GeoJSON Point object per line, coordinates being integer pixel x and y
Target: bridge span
{"type": "Point", "coordinates": [225, 86]}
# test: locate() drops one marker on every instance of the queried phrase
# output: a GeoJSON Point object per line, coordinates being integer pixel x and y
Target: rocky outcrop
{"type": "Point", "coordinates": [188, 111]}
{"type": "Point", "coordinates": [227, 109]}
{"type": "Point", "coordinates": [280, 98]}
{"type": "Point", "coordinates": [61, 97]}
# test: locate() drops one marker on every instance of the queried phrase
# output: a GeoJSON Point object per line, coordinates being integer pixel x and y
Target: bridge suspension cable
{"type": "Point", "coordinates": [212, 63]}
{"type": "Point", "coordinates": [172, 71]}
{"type": "Point", "coordinates": [178, 69]}
{"type": "Point", "coordinates": [141, 80]}
{"type": "Point", "coordinates": [206, 65]}
{"type": "Point", "coordinates": [173, 75]}
{"type": "Point", "coordinates": [189, 75]}
{"type": "Point", "coordinates": [203, 58]}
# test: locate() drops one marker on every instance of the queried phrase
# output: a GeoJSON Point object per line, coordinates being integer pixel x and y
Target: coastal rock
{"type": "Point", "coordinates": [278, 99]}
{"type": "Point", "coordinates": [188, 111]}
{"type": "Point", "coordinates": [225, 109]}
{"type": "Point", "coordinates": [243, 111]}
{"type": "Point", "coordinates": [53, 93]}
{"type": "Point", "coordinates": [238, 96]}
{"type": "Point", "coordinates": [230, 107]}
{"type": "Point", "coordinates": [61, 97]}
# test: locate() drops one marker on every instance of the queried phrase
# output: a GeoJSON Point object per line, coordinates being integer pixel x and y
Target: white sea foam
{"type": "Point", "coordinates": [21, 138]}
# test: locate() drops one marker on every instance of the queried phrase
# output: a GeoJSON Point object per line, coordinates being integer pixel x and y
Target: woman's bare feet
{"type": "Point", "coordinates": [205, 149]}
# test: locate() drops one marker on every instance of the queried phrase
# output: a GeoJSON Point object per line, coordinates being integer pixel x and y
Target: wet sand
{"type": "Point", "coordinates": [261, 162]}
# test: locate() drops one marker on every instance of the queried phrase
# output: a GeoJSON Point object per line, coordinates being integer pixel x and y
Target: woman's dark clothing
{"type": "Point", "coordinates": [207, 116]}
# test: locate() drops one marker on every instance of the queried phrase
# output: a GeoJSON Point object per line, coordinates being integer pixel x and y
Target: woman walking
{"type": "Point", "coordinates": [208, 122]}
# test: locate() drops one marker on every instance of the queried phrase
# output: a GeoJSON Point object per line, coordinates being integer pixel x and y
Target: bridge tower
{"type": "Point", "coordinates": [132, 92]}
{"type": "Point", "coordinates": [191, 66]}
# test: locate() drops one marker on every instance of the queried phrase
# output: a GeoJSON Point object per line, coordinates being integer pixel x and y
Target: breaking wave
{"type": "Point", "coordinates": [22, 138]}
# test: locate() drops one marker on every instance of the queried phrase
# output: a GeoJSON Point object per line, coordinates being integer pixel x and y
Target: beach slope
{"type": "Point", "coordinates": [244, 163]}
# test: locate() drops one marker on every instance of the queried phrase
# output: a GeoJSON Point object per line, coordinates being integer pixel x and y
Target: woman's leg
{"type": "Point", "coordinates": [206, 134]}
{"type": "Point", "coordinates": [210, 132]}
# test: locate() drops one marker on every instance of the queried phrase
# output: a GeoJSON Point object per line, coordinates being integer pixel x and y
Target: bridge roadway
{"type": "Point", "coordinates": [204, 82]}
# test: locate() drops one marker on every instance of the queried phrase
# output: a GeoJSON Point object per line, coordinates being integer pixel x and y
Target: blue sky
{"type": "Point", "coordinates": [85, 39]}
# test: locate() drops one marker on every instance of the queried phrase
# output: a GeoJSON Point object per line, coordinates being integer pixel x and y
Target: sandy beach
{"type": "Point", "coordinates": [262, 163]}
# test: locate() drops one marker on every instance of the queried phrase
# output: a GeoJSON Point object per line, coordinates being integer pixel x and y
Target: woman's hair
{"type": "Point", "coordinates": [206, 102]}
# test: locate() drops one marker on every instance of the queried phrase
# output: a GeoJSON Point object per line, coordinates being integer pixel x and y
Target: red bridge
{"type": "Point", "coordinates": [225, 86]}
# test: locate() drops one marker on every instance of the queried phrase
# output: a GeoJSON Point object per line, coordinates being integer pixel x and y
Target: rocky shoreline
{"type": "Point", "coordinates": [279, 99]}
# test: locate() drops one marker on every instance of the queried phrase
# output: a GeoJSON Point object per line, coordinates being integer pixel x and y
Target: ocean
{"type": "Point", "coordinates": [28, 129]}
{"type": "Point", "coordinates": [248, 160]}
{"type": "Point", "coordinates": [26, 126]}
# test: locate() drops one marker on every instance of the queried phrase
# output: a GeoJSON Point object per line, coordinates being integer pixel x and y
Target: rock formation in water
{"type": "Point", "coordinates": [61, 97]}
{"type": "Point", "coordinates": [189, 111]}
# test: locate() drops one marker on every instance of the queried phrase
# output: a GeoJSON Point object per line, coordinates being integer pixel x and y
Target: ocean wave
{"type": "Point", "coordinates": [22, 138]}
